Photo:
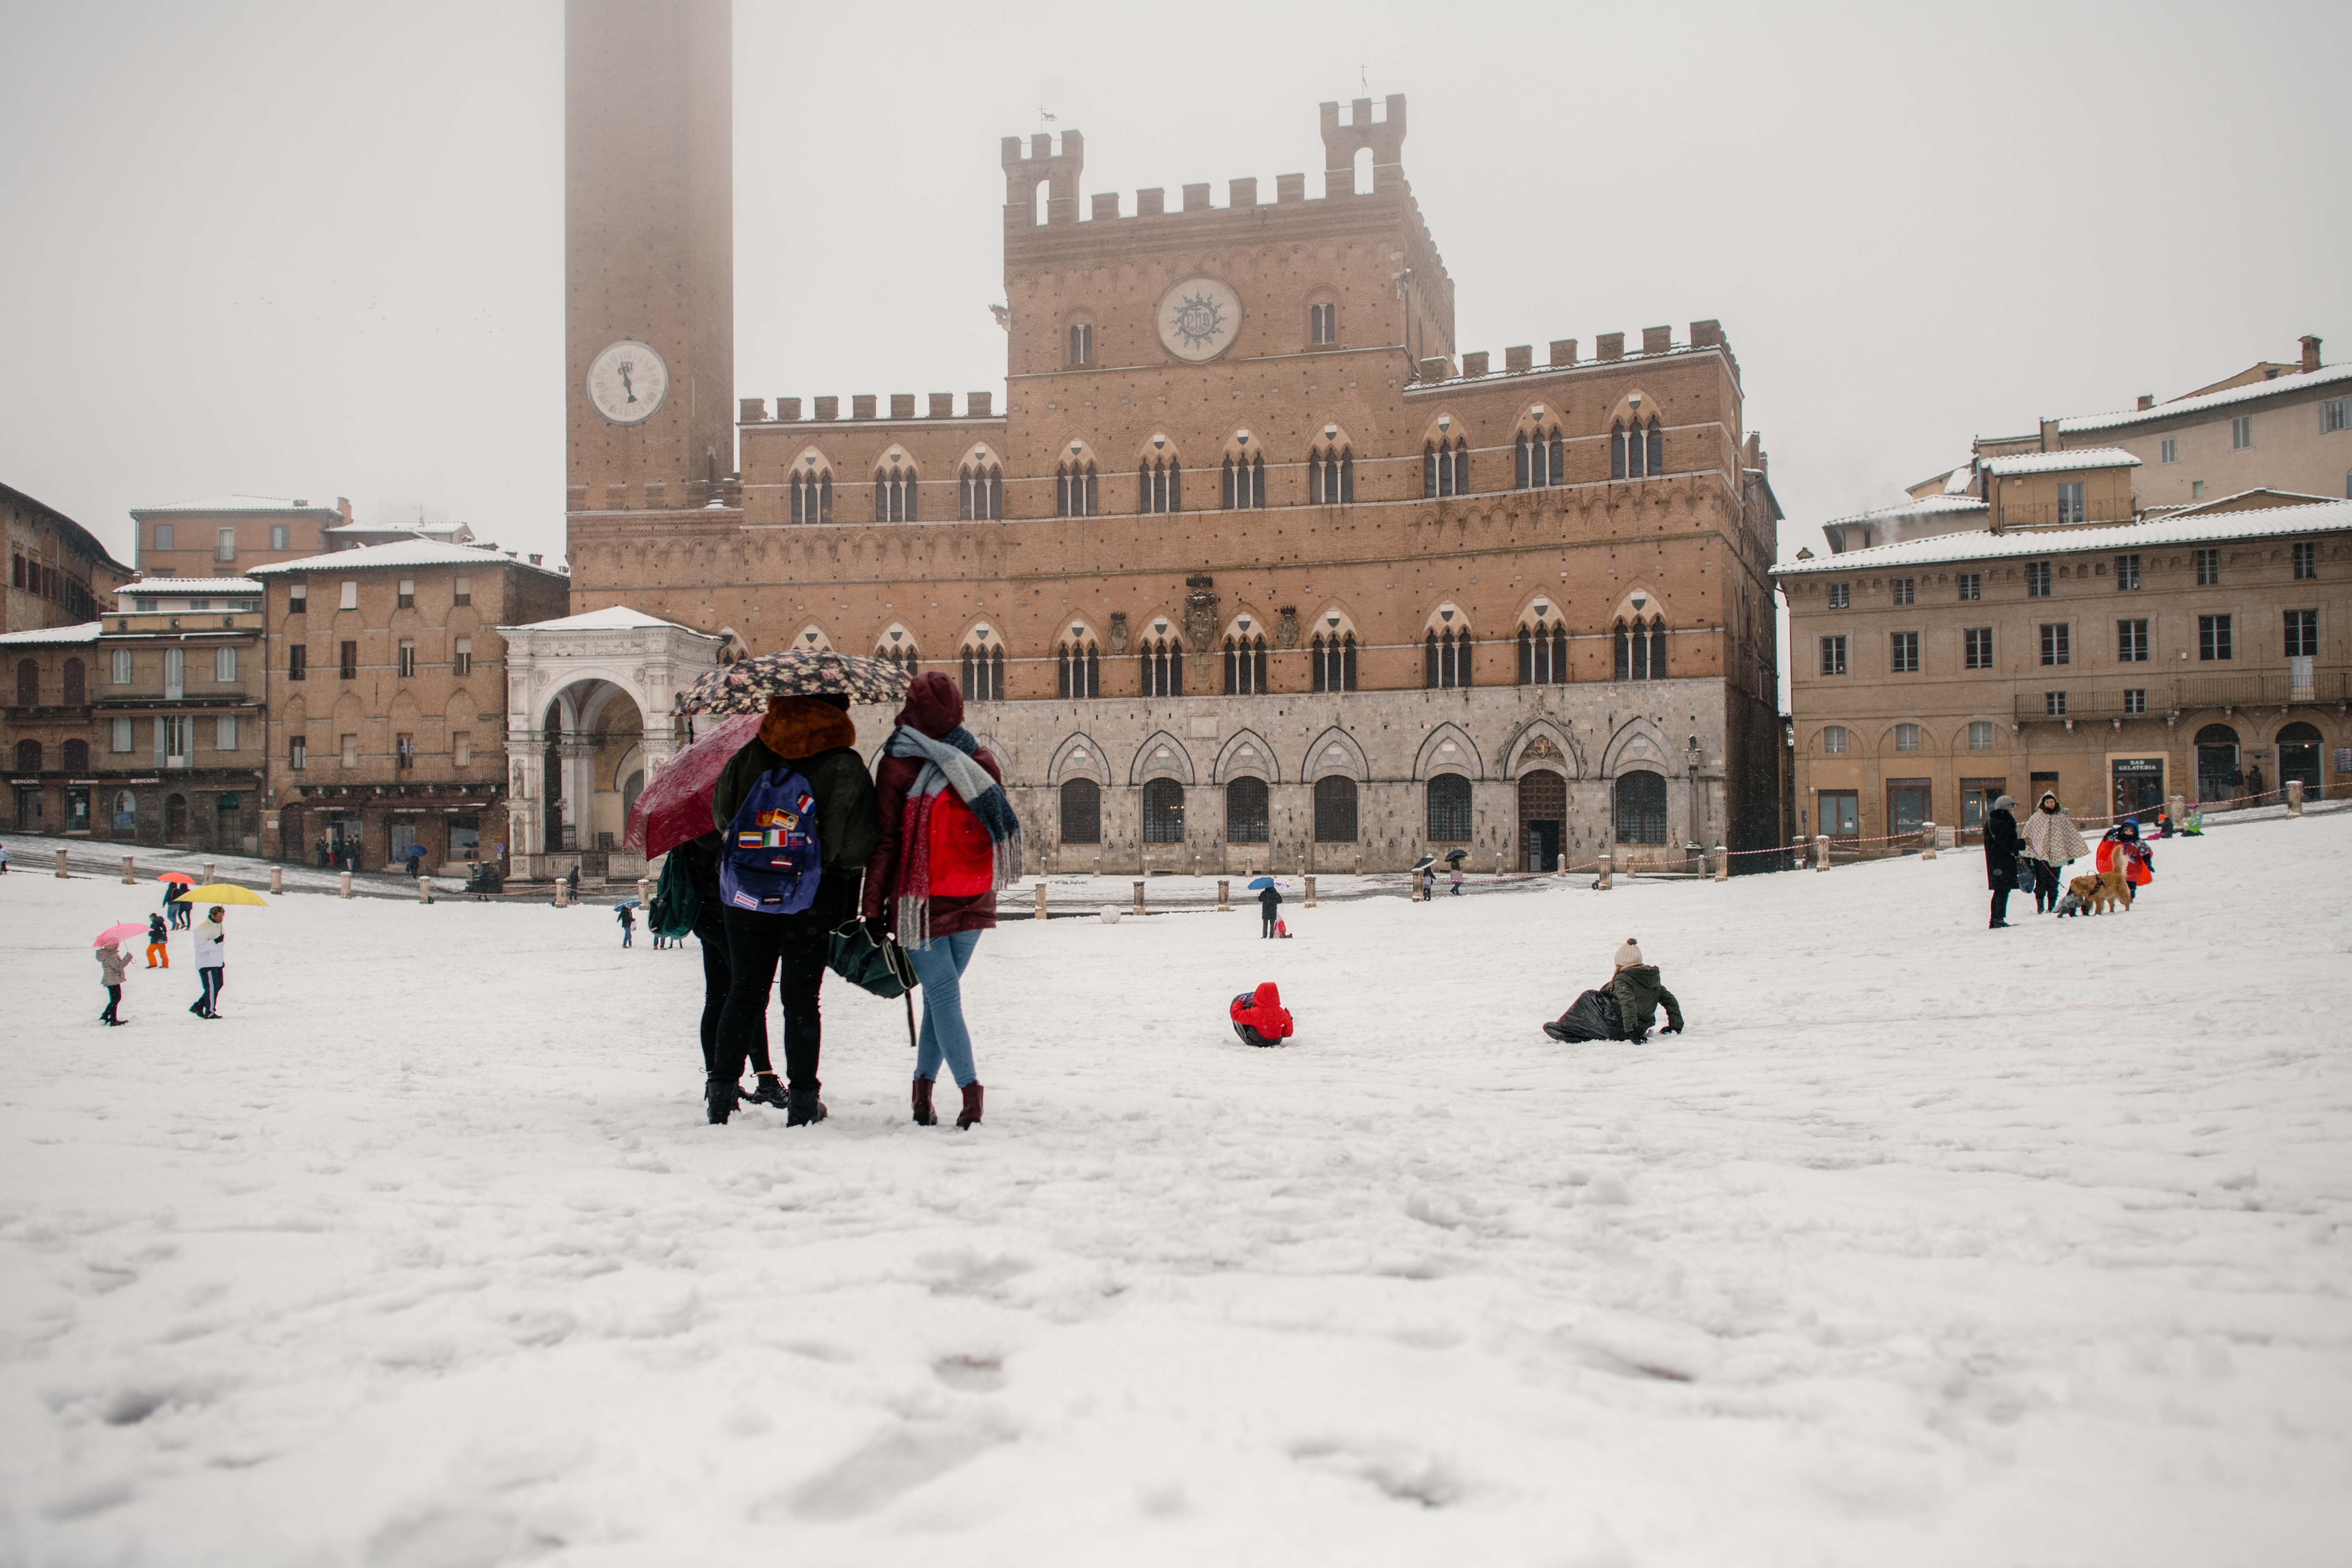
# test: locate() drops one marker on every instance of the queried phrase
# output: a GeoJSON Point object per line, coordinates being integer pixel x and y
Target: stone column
{"type": "Point", "coordinates": [1310, 892]}
{"type": "Point", "coordinates": [346, 888]}
{"type": "Point", "coordinates": [130, 877]}
{"type": "Point", "coordinates": [1722, 864]}
{"type": "Point", "coordinates": [1138, 895]}
{"type": "Point", "coordinates": [1607, 861]}
{"type": "Point", "coordinates": [1820, 852]}
{"type": "Point", "coordinates": [278, 878]}
{"type": "Point", "coordinates": [1041, 897]}
{"type": "Point", "coordinates": [645, 893]}
{"type": "Point", "coordinates": [424, 890]}
{"type": "Point", "coordinates": [61, 864]}
{"type": "Point", "coordinates": [2178, 809]}
{"type": "Point", "coordinates": [2294, 797]}
{"type": "Point", "coordinates": [1224, 896]}
{"type": "Point", "coordinates": [1926, 841]}
{"type": "Point", "coordinates": [562, 891]}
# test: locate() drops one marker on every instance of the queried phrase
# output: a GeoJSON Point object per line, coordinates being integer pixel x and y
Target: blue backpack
{"type": "Point", "coordinates": [771, 863]}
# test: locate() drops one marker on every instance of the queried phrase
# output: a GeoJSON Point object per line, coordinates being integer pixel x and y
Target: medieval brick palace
{"type": "Point", "coordinates": [1252, 565]}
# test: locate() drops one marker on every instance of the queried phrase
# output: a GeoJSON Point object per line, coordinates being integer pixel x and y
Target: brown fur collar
{"type": "Point", "coordinates": [798, 727]}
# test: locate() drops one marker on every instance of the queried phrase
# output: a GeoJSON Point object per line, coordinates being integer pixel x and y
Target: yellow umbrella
{"type": "Point", "coordinates": [224, 893]}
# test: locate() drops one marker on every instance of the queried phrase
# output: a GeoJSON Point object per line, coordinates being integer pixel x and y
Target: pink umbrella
{"type": "Point", "coordinates": [113, 934]}
{"type": "Point", "coordinates": [675, 807]}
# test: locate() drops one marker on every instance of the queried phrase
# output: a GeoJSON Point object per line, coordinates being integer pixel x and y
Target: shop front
{"type": "Point", "coordinates": [2138, 785]}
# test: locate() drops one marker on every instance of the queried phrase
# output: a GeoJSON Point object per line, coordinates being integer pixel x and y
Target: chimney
{"type": "Point", "coordinates": [535, 560]}
{"type": "Point", "coordinates": [1610, 345]}
{"type": "Point", "coordinates": [2050, 439]}
{"type": "Point", "coordinates": [2147, 400]}
{"type": "Point", "coordinates": [2310, 353]}
{"type": "Point", "coordinates": [750, 411]}
{"type": "Point", "coordinates": [343, 503]}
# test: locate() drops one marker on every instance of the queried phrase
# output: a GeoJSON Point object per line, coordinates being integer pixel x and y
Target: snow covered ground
{"type": "Point", "coordinates": [1927, 1244]}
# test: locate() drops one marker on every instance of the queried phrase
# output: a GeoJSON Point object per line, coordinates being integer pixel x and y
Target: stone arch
{"type": "Point", "coordinates": [812, 636]}
{"type": "Point", "coordinates": [1638, 602]}
{"type": "Point", "coordinates": [1161, 757]}
{"type": "Point", "coordinates": [1077, 757]}
{"type": "Point", "coordinates": [1319, 761]}
{"type": "Point", "coordinates": [1433, 757]}
{"type": "Point", "coordinates": [1543, 744]}
{"type": "Point", "coordinates": [1928, 745]}
{"type": "Point", "coordinates": [1260, 761]}
{"type": "Point", "coordinates": [1638, 742]}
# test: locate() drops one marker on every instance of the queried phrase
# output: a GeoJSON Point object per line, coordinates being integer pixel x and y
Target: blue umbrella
{"type": "Point", "coordinates": [627, 904]}
{"type": "Point", "coordinates": [1262, 882]}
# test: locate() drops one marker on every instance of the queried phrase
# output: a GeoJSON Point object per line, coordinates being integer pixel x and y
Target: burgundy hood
{"type": "Point", "coordinates": [934, 705]}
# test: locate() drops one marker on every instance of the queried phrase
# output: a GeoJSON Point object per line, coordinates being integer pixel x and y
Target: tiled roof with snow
{"type": "Point", "coordinates": [85, 632]}
{"type": "Point", "coordinates": [401, 552]}
{"type": "Point", "coordinates": [233, 503]}
{"type": "Point", "coordinates": [1918, 506]}
{"type": "Point", "coordinates": [611, 618]}
{"type": "Point", "coordinates": [177, 587]}
{"type": "Point", "coordinates": [2301, 381]}
{"type": "Point", "coordinates": [2061, 462]}
{"type": "Point", "coordinates": [1982, 544]}
{"type": "Point", "coordinates": [1958, 482]}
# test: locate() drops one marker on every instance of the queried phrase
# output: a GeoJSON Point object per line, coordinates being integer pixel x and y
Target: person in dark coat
{"type": "Point", "coordinates": [2003, 845]}
{"type": "Point", "coordinates": [1624, 1007]}
{"type": "Point", "coordinates": [571, 883]}
{"type": "Point", "coordinates": [699, 859]}
{"type": "Point", "coordinates": [322, 854]}
{"type": "Point", "coordinates": [815, 735]}
{"type": "Point", "coordinates": [1269, 902]}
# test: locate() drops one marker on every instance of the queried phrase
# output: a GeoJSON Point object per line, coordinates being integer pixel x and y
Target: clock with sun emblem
{"type": "Point", "coordinates": [1197, 319]}
{"type": "Point", "coordinates": [627, 381]}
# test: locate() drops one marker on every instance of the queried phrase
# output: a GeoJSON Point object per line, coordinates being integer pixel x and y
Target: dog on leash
{"type": "Point", "coordinates": [2098, 893]}
{"type": "Point", "coordinates": [2072, 904]}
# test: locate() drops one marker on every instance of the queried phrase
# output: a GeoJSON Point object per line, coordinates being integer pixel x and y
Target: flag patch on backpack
{"type": "Point", "coordinates": [772, 863]}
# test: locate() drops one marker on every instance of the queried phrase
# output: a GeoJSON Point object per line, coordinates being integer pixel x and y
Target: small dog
{"type": "Point", "coordinates": [2073, 903]}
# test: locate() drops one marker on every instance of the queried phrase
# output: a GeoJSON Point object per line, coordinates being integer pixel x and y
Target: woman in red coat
{"type": "Point", "coordinates": [950, 842]}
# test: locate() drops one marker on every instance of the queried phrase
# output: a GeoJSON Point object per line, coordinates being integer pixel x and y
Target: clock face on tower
{"type": "Point", "coordinates": [627, 381]}
{"type": "Point", "coordinates": [1197, 319]}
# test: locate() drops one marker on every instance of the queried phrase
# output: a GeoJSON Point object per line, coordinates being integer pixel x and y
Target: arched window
{"type": "Point", "coordinates": [894, 495]}
{"type": "Point", "coordinates": [1335, 809]}
{"type": "Point", "coordinates": [1642, 649]}
{"type": "Point", "coordinates": [1162, 659]}
{"type": "Point", "coordinates": [1637, 449]}
{"type": "Point", "coordinates": [1907, 737]}
{"type": "Point", "coordinates": [1658, 444]}
{"type": "Point", "coordinates": [29, 756]}
{"type": "Point", "coordinates": [1331, 476]}
{"type": "Point", "coordinates": [1159, 486]}
{"type": "Point", "coordinates": [1246, 817]}
{"type": "Point", "coordinates": [77, 757]}
{"type": "Point", "coordinates": [983, 669]}
{"type": "Point", "coordinates": [1081, 812]}
{"type": "Point", "coordinates": [1834, 739]}
{"type": "Point", "coordinates": [1445, 468]}
{"type": "Point", "coordinates": [812, 494]}
{"type": "Point", "coordinates": [1334, 658]}
{"type": "Point", "coordinates": [1077, 669]}
{"type": "Point", "coordinates": [1322, 325]}
{"type": "Point", "coordinates": [71, 679]}
{"type": "Point", "coordinates": [1449, 809]}
{"type": "Point", "coordinates": [1244, 665]}
{"type": "Point", "coordinates": [980, 493]}
{"type": "Point", "coordinates": [1245, 481]}
{"type": "Point", "coordinates": [1164, 811]}
{"type": "Point", "coordinates": [1074, 492]}
{"type": "Point", "coordinates": [901, 655]}
{"type": "Point", "coordinates": [1543, 653]}
{"type": "Point", "coordinates": [28, 683]}
{"type": "Point", "coordinates": [1641, 808]}
{"type": "Point", "coordinates": [1445, 657]}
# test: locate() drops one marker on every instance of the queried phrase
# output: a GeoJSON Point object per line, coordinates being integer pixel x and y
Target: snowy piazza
{"type": "Point", "coordinates": [1327, 918]}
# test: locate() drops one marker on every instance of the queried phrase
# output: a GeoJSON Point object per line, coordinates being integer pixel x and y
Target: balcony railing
{"type": "Point", "coordinates": [2265, 689]}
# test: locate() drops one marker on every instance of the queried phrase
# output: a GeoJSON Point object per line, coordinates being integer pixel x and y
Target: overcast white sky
{"type": "Point", "coordinates": [316, 249]}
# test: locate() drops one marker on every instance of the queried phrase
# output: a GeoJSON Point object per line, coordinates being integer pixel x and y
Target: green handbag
{"type": "Point", "coordinates": [880, 967]}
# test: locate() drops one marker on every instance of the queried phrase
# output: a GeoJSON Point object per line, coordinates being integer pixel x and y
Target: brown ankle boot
{"type": "Point", "coordinates": [972, 1092]}
{"type": "Point", "coordinates": [924, 1115]}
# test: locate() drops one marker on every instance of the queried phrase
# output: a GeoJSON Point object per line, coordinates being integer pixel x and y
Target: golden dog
{"type": "Point", "coordinates": [2103, 891]}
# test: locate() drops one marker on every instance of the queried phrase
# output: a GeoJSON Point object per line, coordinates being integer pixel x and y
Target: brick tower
{"type": "Point", "coordinates": [648, 252]}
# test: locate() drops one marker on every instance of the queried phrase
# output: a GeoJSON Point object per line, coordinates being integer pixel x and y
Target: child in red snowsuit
{"type": "Point", "coordinates": [1258, 1016]}
{"type": "Point", "coordinates": [2122, 846]}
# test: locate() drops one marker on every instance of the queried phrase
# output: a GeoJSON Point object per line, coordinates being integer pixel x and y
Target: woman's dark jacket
{"type": "Point", "coordinates": [2001, 844]}
{"type": "Point", "coordinates": [845, 827]}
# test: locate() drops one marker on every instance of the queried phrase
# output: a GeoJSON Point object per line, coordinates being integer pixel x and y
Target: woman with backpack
{"type": "Point", "coordinates": [799, 789]}
{"type": "Point", "coordinates": [950, 842]}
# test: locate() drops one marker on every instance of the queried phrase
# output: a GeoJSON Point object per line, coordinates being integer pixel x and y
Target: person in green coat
{"type": "Point", "coordinates": [1639, 992]}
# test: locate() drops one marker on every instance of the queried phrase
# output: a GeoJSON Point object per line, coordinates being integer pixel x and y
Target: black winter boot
{"type": "Point", "coordinates": [720, 1096]}
{"type": "Point", "coordinates": [768, 1091]}
{"type": "Point", "coordinates": [804, 1107]}
{"type": "Point", "coordinates": [924, 1115]}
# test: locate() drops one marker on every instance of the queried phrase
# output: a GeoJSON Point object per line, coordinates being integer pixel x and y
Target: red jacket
{"type": "Point", "coordinates": [934, 706]}
{"type": "Point", "coordinates": [1263, 1011]}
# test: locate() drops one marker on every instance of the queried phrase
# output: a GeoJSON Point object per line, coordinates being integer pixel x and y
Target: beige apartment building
{"type": "Point", "coordinates": [2205, 653]}
{"type": "Point", "coordinates": [221, 536]}
{"type": "Point", "coordinates": [388, 699]}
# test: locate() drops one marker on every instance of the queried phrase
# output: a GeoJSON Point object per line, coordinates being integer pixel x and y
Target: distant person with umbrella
{"type": "Point", "coordinates": [212, 965]}
{"type": "Point", "coordinates": [1269, 905]}
{"type": "Point", "coordinates": [175, 899]}
{"type": "Point", "coordinates": [628, 919]}
{"type": "Point", "coordinates": [111, 963]}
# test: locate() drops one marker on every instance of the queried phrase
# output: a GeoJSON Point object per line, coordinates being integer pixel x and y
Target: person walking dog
{"type": "Point", "coordinates": [950, 843]}
{"type": "Point", "coordinates": [2052, 840]}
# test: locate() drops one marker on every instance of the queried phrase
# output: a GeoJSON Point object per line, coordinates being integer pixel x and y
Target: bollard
{"type": "Point", "coordinates": [1561, 869]}
{"type": "Point", "coordinates": [1821, 851]}
{"type": "Point", "coordinates": [562, 891]}
{"type": "Point", "coordinates": [1722, 864]}
{"type": "Point", "coordinates": [1605, 867]}
{"type": "Point", "coordinates": [209, 877]}
{"type": "Point", "coordinates": [1224, 896]}
{"type": "Point", "coordinates": [347, 885]}
{"type": "Point", "coordinates": [1310, 892]}
{"type": "Point", "coordinates": [2294, 797]}
{"type": "Point", "coordinates": [130, 877]}
{"type": "Point", "coordinates": [1138, 898]}
{"type": "Point", "coordinates": [2177, 808]}
{"type": "Point", "coordinates": [1041, 897]}
{"type": "Point", "coordinates": [61, 864]}
{"type": "Point", "coordinates": [1926, 841]}
{"type": "Point", "coordinates": [278, 878]}
{"type": "Point", "coordinates": [424, 890]}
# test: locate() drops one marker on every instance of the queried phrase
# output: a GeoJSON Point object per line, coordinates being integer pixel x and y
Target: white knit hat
{"type": "Point", "coordinates": [1629, 954]}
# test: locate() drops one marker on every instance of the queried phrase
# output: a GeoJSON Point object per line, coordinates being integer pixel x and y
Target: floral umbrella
{"type": "Point", "coordinates": [745, 686]}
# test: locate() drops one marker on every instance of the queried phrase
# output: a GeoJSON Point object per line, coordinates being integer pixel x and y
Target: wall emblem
{"type": "Point", "coordinates": [1118, 631]}
{"type": "Point", "coordinates": [1197, 319]}
{"type": "Point", "coordinates": [1199, 613]}
{"type": "Point", "coordinates": [1286, 633]}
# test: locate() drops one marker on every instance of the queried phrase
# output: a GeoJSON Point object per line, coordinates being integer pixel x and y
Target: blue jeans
{"type": "Point", "coordinates": [940, 967]}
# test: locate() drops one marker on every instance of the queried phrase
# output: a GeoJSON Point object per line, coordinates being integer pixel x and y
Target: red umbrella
{"type": "Point", "coordinates": [180, 876]}
{"type": "Point", "coordinates": [675, 807]}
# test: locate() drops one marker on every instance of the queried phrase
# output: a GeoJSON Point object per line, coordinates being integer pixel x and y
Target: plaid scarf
{"type": "Point", "coordinates": [947, 764]}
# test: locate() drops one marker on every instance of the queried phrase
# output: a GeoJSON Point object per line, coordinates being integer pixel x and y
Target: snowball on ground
{"type": "Point", "coordinates": [1927, 1244]}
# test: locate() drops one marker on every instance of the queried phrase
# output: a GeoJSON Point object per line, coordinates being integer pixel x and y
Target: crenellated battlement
{"type": "Point", "coordinates": [1024, 172]}
{"type": "Point", "coordinates": [1343, 140]}
{"type": "Point", "coordinates": [1658, 342]}
{"type": "Point", "coordinates": [865, 406]}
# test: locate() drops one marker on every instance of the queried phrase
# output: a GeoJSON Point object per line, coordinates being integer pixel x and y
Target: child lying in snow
{"type": "Point", "coordinates": [1622, 1010]}
{"type": "Point", "coordinates": [1258, 1016]}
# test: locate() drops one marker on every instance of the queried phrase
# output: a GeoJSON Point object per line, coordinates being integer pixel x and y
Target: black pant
{"type": "Point", "coordinates": [2000, 906]}
{"type": "Point", "coordinates": [212, 977]}
{"type": "Point", "coordinates": [711, 932]}
{"type": "Point", "coordinates": [789, 950]}
{"type": "Point", "coordinates": [2045, 884]}
{"type": "Point", "coordinates": [113, 1000]}
{"type": "Point", "coordinates": [1268, 923]}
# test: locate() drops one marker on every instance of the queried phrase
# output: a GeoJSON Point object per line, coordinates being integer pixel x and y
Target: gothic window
{"type": "Point", "coordinates": [1445, 657]}
{"type": "Point", "coordinates": [1244, 482]}
{"type": "Point", "coordinates": [1074, 493]}
{"type": "Point", "coordinates": [1641, 808]}
{"type": "Point", "coordinates": [1246, 817]}
{"type": "Point", "coordinates": [1159, 486]}
{"type": "Point", "coordinates": [1082, 344]}
{"type": "Point", "coordinates": [1081, 812]}
{"type": "Point", "coordinates": [1077, 670]}
{"type": "Point", "coordinates": [894, 495]}
{"type": "Point", "coordinates": [1335, 809]}
{"type": "Point", "coordinates": [1244, 665]}
{"type": "Point", "coordinates": [1642, 649]}
{"type": "Point", "coordinates": [984, 671]}
{"type": "Point", "coordinates": [1331, 476]}
{"type": "Point", "coordinates": [1322, 325]}
{"type": "Point", "coordinates": [1164, 811]}
{"type": "Point", "coordinates": [1543, 653]}
{"type": "Point", "coordinates": [811, 496]}
{"type": "Point", "coordinates": [1617, 451]}
{"type": "Point", "coordinates": [980, 493]}
{"type": "Point", "coordinates": [901, 656]}
{"type": "Point", "coordinates": [1449, 809]}
{"type": "Point", "coordinates": [1334, 658]}
{"type": "Point", "coordinates": [1657, 445]}
{"type": "Point", "coordinates": [1162, 661]}
{"type": "Point", "coordinates": [1538, 457]}
{"type": "Point", "coordinates": [1444, 469]}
